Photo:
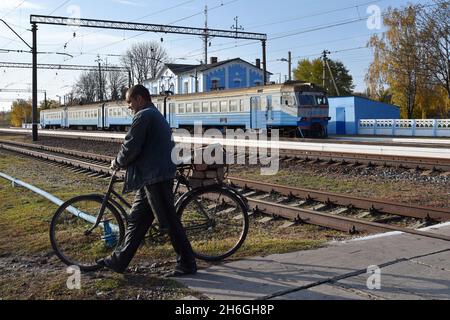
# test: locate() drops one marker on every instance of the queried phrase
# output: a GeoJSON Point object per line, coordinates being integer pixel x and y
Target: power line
{"type": "Point", "coordinates": [317, 28]}
{"type": "Point", "coordinates": [171, 23]}
{"type": "Point", "coordinates": [57, 8]}
{"type": "Point", "coordinates": [20, 4]}
{"type": "Point", "coordinates": [316, 14]}
{"type": "Point", "coordinates": [60, 66]}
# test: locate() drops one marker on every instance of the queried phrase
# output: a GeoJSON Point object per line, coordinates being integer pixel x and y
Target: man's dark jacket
{"type": "Point", "coordinates": [146, 150]}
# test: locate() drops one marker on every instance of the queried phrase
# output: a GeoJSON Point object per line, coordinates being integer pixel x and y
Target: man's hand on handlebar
{"type": "Point", "coordinates": [114, 166]}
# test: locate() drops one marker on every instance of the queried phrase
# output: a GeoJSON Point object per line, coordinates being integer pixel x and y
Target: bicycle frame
{"type": "Point", "coordinates": [181, 180]}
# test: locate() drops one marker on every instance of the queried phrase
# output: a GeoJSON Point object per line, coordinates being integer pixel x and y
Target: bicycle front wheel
{"type": "Point", "coordinates": [215, 220]}
{"type": "Point", "coordinates": [70, 239]}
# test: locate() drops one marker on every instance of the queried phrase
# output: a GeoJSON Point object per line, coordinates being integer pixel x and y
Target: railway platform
{"type": "Point", "coordinates": [410, 267]}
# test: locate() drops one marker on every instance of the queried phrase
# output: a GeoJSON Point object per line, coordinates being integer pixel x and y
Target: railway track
{"type": "Point", "coordinates": [325, 157]}
{"type": "Point", "coordinates": [335, 211]}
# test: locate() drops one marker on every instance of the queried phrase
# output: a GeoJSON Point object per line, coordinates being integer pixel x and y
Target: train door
{"type": "Point", "coordinates": [340, 120]}
{"type": "Point", "coordinates": [171, 115]}
{"type": "Point", "coordinates": [269, 109]}
{"type": "Point", "coordinates": [100, 118]}
{"type": "Point", "coordinates": [255, 106]}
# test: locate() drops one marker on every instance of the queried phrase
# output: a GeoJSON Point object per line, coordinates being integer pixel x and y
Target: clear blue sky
{"type": "Point", "coordinates": [289, 25]}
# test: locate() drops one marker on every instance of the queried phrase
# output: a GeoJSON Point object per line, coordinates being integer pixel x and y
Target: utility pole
{"type": "Point", "coordinates": [236, 26]}
{"type": "Point", "coordinates": [324, 67]}
{"type": "Point", "coordinates": [289, 61]}
{"type": "Point", "coordinates": [205, 38]}
{"type": "Point", "coordinates": [290, 65]}
{"type": "Point", "coordinates": [34, 77]}
{"type": "Point", "coordinates": [100, 95]}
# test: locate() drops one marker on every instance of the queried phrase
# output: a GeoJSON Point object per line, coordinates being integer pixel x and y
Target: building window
{"type": "Point", "coordinates": [215, 85]}
{"type": "Point", "coordinates": [186, 87]}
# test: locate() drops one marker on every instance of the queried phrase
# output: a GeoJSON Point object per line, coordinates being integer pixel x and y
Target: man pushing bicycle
{"type": "Point", "coordinates": [150, 172]}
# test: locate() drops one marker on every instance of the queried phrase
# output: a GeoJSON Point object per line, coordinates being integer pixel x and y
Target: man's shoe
{"type": "Point", "coordinates": [106, 264]}
{"type": "Point", "coordinates": [179, 272]}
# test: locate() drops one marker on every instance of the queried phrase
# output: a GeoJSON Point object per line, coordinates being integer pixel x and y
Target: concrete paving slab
{"type": "Point", "coordinates": [408, 280]}
{"type": "Point", "coordinates": [312, 270]}
{"type": "Point", "coordinates": [436, 261]}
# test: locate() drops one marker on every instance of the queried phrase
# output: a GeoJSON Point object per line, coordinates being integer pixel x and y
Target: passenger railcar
{"type": "Point", "coordinates": [293, 108]}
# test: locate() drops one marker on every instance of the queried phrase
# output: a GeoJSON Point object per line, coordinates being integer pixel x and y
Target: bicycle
{"type": "Point", "coordinates": [88, 227]}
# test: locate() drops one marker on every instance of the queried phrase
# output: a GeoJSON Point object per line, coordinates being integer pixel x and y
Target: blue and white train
{"type": "Point", "coordinates": [293, 108]}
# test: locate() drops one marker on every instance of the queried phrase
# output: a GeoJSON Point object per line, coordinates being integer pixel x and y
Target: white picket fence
{"type": "Point", "coordinates": [412, 128]}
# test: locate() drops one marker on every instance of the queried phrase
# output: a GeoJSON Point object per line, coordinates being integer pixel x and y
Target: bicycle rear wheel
{"type": "Point", "coordinates": [215, 220]}
{"type": "Point", "coordinates": [68, 231]}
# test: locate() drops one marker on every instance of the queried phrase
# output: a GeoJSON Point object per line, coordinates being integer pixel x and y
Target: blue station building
{"type": "Point", "coordinates": [345, 113]}
{"type": "Point", "coordinates": [217, 75]}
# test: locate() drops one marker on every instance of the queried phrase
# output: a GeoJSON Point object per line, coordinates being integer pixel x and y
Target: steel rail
{"type": "Point", "coordinates": [368, 159]}
{"type": "Point", "coordinates": [76, 163]}
{"type": "Point", "coordinates": [384, 206]}
{"type": "Point", "coordinates": [397, 208]}
{"type": "Point", "coordinates": [297, 214]}
{"type": "Point", "coordinates": [345, 224]}
{"type": "Point", "coordinates": [438, 164]}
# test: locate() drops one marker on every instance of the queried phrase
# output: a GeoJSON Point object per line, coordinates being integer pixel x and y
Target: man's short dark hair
{"type": "Point", "coordinates": [139, 90]}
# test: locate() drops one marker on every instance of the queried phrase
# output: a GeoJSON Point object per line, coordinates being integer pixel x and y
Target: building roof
{"type": "Point", "coordinates": [180, 68]}
{"type": "Point", "coordinates": [184, 68]}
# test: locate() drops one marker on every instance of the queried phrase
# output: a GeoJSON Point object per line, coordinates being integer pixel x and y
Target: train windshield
{"type": "Point", "coordinates": [306, 100]}
{"type": "Point", "coordinates": [312, 100]}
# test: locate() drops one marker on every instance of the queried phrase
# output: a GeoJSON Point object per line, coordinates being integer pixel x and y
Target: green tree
{"type": "Point", "coordinates": [20, 112]}
{"type": "Point", "coordinates": [312, 71]}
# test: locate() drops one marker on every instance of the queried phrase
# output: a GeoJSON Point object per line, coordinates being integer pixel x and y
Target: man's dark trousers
{"type": "Point", "coordinates": [152, 198]}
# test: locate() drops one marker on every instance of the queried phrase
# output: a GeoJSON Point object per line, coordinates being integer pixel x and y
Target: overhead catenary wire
{"type": "Point", "coordinates": [312, 29]}
{"type": "Point", "coordinates": [141, 33]}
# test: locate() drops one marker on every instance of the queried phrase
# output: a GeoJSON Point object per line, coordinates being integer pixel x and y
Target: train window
{"type": "Point", "coordinates": [197, 107]}
{"type": "Point", "coordinates": [233, 106]}
{"type": "Point", "coordinates": [181, 108]}
{"type": "Point", "coordinates": [214, 106]}
{"type": "Point", "coordinates": [188, 107]}
{"type": "Point", "coordinates": [205, 106]}
{"type": "Point", "coordinates": [306, 100]}
{"type": "Point", "coordinates": [321, 100]}
{"type": "Point", "coordinates": [241, 105]}
{"type": "Point", "coordinates": [223, 106]}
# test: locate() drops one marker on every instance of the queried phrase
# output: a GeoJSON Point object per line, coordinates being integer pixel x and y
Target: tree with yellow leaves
{"type": "Point", "coordinates": [411, 60]}
{"type": "Point", "coordinates": [398, 59]}
{"type": "Point", "coordinates": [20, 112]}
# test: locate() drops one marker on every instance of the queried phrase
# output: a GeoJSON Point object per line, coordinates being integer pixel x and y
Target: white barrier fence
{"type": "Point", "coordinates": [30, 126]}
{"type": "Point", "coordinates": [412, 128]}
